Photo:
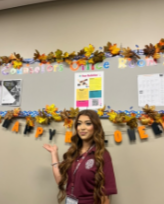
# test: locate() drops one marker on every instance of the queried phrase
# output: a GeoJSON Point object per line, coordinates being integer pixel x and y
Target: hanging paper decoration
{"type": "Point", "coordinates": [156, 129]}
{"type": "Point", "coordinates": [16, 127]}
{"type": "Point", "coordinates": [68, 136]}
{"type": "Point", "coordinates": [106, 141]}
{"type": "Point", "coordinates": [149, 116]}
{"type": "Point", "coordinates": [141, 130]}
{"type": "Point", "coordinates": [131, 134]}
{"type": "Point", "coordinates": [29, 124]}
{"type": "Point", "coordinates": [118, 136]}
{"type": "Point", "coordinates": [51, 134]}
{"type": "Point", "coordinates": [8, 117]}
{"type": "Point", "coordinates": [39, 132]}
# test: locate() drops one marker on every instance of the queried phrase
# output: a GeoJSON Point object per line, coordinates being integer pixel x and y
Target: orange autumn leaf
{"type": "Point", "coordinates": [68, 123]}
{"type": "Point", "coordinates": [16, 112]}
{"type": "Point", "coordinates": [68, 61]}
{"type": "Point", "coordinates": [81, 62]}
{"type": "Point", "coordinates": [51, 109]}
{"type": "Point", "coordinates": [30, 121]}
{"type": "Point", "coordinates": [114, 50]}
{"type": "Point", "coordinates": [43, 58]}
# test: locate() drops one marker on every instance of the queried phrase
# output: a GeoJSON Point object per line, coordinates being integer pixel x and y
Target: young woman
{"type": "Point", "coordinates": [86, 169]}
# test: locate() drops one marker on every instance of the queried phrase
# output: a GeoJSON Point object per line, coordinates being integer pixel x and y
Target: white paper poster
{"type": "Point", "coordinates": [89, 90]}
{"type": "Point", "coordinates": [11, 92]}
{"type": "Point", "coordinates": [151, 90]}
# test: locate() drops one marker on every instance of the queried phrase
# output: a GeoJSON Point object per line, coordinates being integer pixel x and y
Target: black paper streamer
{"type": "Point", "coordinates": [52, 133]}
{"type": "Point", "coordinates": [6, 123]}
{"type": "Point", "coordinates": [131, 133]}
{"type": "Point", "coordinates": [156, 129]}
{"type": "Point", "coordinates": [27, 129]}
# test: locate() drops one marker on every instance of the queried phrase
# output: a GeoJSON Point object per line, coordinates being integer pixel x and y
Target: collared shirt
{"type": "Point", "coordinates": [84, 181]}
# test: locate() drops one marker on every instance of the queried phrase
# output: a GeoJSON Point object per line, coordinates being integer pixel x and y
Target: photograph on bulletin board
{"type": "Point", "coordinates": [11, 92]}
{"type": "Point", "coordinates": [89, 88]}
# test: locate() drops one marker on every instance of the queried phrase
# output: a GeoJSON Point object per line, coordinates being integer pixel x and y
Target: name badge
{"type": "Point", "coordinates": [70, 200]}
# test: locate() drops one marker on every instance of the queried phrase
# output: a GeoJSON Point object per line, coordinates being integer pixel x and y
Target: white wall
{"type": "Point", "coordinates": [26, 175]}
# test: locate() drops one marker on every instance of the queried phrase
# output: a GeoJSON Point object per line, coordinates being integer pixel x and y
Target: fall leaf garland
{"type": "Point", "coordinates": [160, 46]}
{"type": "Point", "coordinates": [112, 49]}
{"type": "Point", "coordinates": [129, 54]}
{"type": "Point", "coordinates": [85, 55]}
{"type": "Point", "coordinates": [49, 114]}
{"type": "Point", "coordinates": [151, 51]}
{"type": "Point", "coordinates": [15, 59]}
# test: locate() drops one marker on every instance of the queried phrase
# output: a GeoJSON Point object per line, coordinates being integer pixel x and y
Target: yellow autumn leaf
{"type": "Point", "coordinates": [16, 112]}
{"type": "Point", "coordinates": [74, 112]}
{"type": "Point", "coordinates": [41, 120]}
{"type": "Point", "coordinates": [17, 64]}
{"type": "Point", "coordinates": [157, 48]}
{"type": "Point", "coordinates": [57, 117]}
{"type": "Point", "coordinates": [66, 54]}
{"type": "Point", "coordinates": [100, 111]}
{"type": "Point", "coordinates": [114, 49]}
{"type": "Point", "coordinates": [68, 61]}
{"type": "Point", "coordinates": [68, 123]}
{"type": "Point", "coordinates": [30, 121]}
{"type": "Point", "coordinates": [90, 61]}
{"type": "Point", "coordinates": [58, 53]}
{"type": "Point", "coordinates": [156, 56]}
{"type": "Point", "coordinates": [158, 118]}
{"type": "Point", "coordinates": [112, 115]}
{"type": "Point", "coordinates": [89, 50]}
{"type": "Point", "coordinates": [51, 109]}
{"type": "Point", "coordinates": [42, 57]}
{"type": "Point", "coordinates": [81, 62]}
{"type": "Point", "coordinates": [59, 60]}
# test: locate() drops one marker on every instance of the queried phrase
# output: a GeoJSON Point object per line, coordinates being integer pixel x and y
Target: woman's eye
{"type": "Point", "coordinates": [89, 123]}
{"type": "Point", "coordinates": [78, 124]}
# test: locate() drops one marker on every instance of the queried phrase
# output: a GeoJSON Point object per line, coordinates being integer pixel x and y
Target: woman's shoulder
{"type": "Point", "coordinates": [106, 155]}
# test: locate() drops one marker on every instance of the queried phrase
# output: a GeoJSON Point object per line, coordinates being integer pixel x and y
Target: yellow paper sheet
{"type": "Point", "coordinates": [82, 94]}
{"type": "Point", "coordinates": [95, 84]}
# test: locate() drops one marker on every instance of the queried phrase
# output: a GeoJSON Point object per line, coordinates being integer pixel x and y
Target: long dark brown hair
{"type": "Point", "coordinates": [72, 153]}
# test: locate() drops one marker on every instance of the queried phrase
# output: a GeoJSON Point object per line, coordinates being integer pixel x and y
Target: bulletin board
{"type": "Point", "coordinates": [47, 86]}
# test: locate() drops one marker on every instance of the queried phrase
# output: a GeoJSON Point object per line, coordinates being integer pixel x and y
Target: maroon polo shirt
{"type": "Point", "coordinates": [85, 178]}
